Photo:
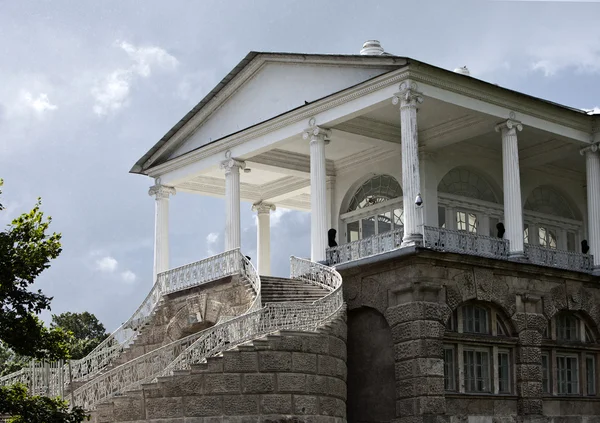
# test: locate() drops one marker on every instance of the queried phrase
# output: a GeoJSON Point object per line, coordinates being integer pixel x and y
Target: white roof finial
{"type": "Point", "coordinates": [371, 48]}
{"type": "Point", "coordinates": [463, 70]}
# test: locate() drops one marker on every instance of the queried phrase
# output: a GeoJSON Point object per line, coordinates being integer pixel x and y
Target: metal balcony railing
{"type": "Point", "coordinates": [452, 241]}
{"type": "Point", "coordinates": [559, 258]}
{"type": "Point", "coordinates": [366, 247]}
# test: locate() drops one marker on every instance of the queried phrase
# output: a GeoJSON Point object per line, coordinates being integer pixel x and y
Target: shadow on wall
{"type": "Point", "coordinates": [371, 383]}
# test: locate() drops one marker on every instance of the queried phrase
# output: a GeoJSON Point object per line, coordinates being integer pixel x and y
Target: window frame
{"type": "Point", "coordinates": [568, 356]}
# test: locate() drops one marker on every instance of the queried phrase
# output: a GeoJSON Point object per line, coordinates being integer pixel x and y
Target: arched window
{"type": "Point", "coordinates": [478, 351]}
{"type": "Point", "coordinates": [375, 208]}
{"type": "Point", "coordinates": [468, 202]}
{"type": "Point", "coordinates": [549, 220]}
{"type": "Point", "coordinates": [567, 369]}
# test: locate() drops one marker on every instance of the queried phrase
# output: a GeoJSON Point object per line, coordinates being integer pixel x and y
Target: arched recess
{"type": "Point", "coordinates": [469, 201]}
{"type": "Point", "coordinates": [551, 219]}
{"type": "Point", "coordinates": [371, 380]}
{"type": "Point", "coordinates": [372, 205]}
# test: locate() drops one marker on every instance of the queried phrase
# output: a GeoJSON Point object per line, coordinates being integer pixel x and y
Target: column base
{"type": "Point", "coordinates": [412, 240]}
{"type": "Point", "coordinates": [596, 271]}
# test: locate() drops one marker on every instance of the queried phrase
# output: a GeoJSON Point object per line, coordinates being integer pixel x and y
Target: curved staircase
{"type": "Point", "coordinates": [305, 303]}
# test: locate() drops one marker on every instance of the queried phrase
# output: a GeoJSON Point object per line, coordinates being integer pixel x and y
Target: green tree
{"type": "Point", "coordinates": [86, 329]}
{"type": "Point", "coordinates": [25, 252]}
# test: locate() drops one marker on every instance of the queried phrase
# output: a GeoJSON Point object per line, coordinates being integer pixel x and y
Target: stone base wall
{"type": "Point", "coordinates": [288, 377]}
{"type": "Point", "coordinates": [415, 295]}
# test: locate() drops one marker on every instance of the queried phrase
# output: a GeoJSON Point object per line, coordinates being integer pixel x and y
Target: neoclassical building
{"type": "Point", "coordinates": [462, 285]}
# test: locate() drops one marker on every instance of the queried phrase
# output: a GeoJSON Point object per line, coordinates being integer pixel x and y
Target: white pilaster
{"type": "Point", "coordinates": [428, 188]}
{"type": "Point", "coordinates": [263, 236]}
{"type": "Point", "coordinates": [318, 192]}
{"type": "Point", "coordinates": [513, 210]}
{"type": "Point", "coordinates": [232, 202]}
{"type": "Point", "coordinates": [331, 215]}
{"type": "Point", "coordinates": [592, 165]}
{"type": "Point", "coordinates": [161, 227]}
{"type": "Point", "coordinates": [408, 97]}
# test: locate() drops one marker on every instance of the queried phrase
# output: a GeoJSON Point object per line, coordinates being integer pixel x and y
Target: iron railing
{"type": "Point", "coordinates": [453, 241]}
{"type": "Point", "coordinates": [559, 258]}
{"type": "Point", "coordinates": [366, 247]}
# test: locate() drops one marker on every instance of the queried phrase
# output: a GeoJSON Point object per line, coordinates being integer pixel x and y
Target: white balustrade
{"type": "Point", "coordinates": [453, 241]}
{"type": "Point", "coordinates": [558, 258]}
{"type": "Point", "coordinates": [196, 348]}
{"type": "Point", "coordinates": [207, 270]}
{"type": "Point", "coordinates": [366, 247]}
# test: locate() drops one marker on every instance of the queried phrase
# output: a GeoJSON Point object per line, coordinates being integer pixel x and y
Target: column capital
{"type": "Point", "coordinates": [263, 207]}
{"type": "Point", "coordinates": [509, 124]}
{"type": "Point", "coordinates": [315, 133]}
{"type": "Point", "coordinates": [161, 191]}
{"type": "Point", "coordinates": [408, 96]}
{"type": "Point", "coordinates": [230, 163]}
{"type": "Point", "coordinates": [593, 148]}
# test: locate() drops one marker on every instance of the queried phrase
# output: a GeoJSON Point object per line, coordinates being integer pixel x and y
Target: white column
{"type": "Point", "coordinates": [318, 192]}
{"type": "Point", "coordinates": [428, 188]}
{"type": "Point", "coordinates": [232, 202]}
{"type": "Point", "coordinates": [161, 227]}
{"type": "Point", "coordinates": [513, 210]}
{"type": "Point", "coordinates": [408, 98]}
{"type": "Point", "coordinates": [263, 236]}
{"type": "Point", "coordinates": [331, 215]}
{"type": "Point", "coordinates": [592, 164]}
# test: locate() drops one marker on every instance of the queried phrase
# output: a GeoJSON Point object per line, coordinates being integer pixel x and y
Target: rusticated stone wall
{"type": "Point", "coordinates": [188, 311]}
{"type": "Point", "coordinates": [291, 377]}
{"type": "Point", "coordinates": [417, 293]}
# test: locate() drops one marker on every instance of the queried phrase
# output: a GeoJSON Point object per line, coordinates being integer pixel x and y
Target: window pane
{"type": "Point", "coordinates": [567, 328]}
{"type": "Point", "coordinates": [590, 368]}
{"type": "Point", "coordinates": [571, 242]}
{"type": "Point", "coordinates": [384, 222]}
{"type": "Point", "coordinates": [567, 374]}
{"type": "Point", "coordinates": [368, 227]}
{"type": "Point", "coordinates": [545, 374]}
{"type": "Point", "coordinates": [503, 372]}
{"type": "Point", "coordinates": [461, 221]}
{"type": "Point", "coordinates": [352, 231]}
{"type": "Point", "coordinates": [472, 223]}
{"type": "Point", "coordinates": [475, 320]}
{"type": "Point", "coordinates": [441, 217]}
{"type": "Point", "coordinates": [477, 371]}
{"type": "Point", "coordinates": [449, 371]}
{"type": "Point", "coordinates": [398, 217]}
{"type": "Point", "coordinates": [526, 234]}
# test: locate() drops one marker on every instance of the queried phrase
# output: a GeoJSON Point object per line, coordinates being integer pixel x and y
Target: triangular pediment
{"type": "Point", "coordinates": [263, 86]}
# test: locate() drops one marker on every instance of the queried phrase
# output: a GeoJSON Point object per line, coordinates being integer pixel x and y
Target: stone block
{"type": "Point", "coordinates": [330, 406]}
{"type": "Point", "coordinates": [204, 405]}
{"type": "Point", "coordinates": [314, 345]}
{"type": "Point", "coordinates": [419, 367]}
{"type": "Point", "coordinates": [316, 384]}
{"type": "Point", "coordinates": [289, 343]}
{"type": "Point", "coordinates": [214, 364]}
{"type": "Point", "coordinates": [529, 372]}
{"type": "Point", "coordinates": [276, 404]}
{"type": "Point", "coordinates": [416, 310]}
{"type": "Point", "coordinates": [337, 388]}
{"type": "Point", "coordinates": [422, 348]}
{"type": "Point", "coordinates": [420, 386]}
{"type": "Point", "coordinates": [291, 382]}
{"type": "Point", "coordinates": [337, 348]}
{"type": "Point", "coordinates": [419, 329]}
{"type": "Point", "coordinates": [304, 362]}
{"type": "Point", "coordinates": [530, 406]}
{"type": "Point", "coordinates": [126, 408]}
{"type": "Point", "coordinates": [261, 383]}
{"type": "Point", "coordinates": [164, 408]}
{"type": "Point", "coordinates": [529, 355]}
{"type": "Point", "coordinates": [240, 419]}
{"type": "Point", "coordinates": [181, 386]}
{"type": "Point", "coordinates": [275, 361]}
{"type": "Point", "coordinates": [240, 404]}
{"type": "Point", "coordinates": [420, 405]}
{"type": "Point", "coordinates": [236, 361]}
{"type": "Point", "coordinates": [306, 404]}
{"type": "Point", "coordinates": [222, 383]}
{"type": "Point", "coordinates": [331, 366]}
{"type": "Point", "coordinates": [531, 337]}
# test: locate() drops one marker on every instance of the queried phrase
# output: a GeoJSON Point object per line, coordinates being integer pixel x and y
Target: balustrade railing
{"type": "Point", "coordinates": [373, 245]}
{"type": "Point", "coordinates": [207, 270]}
{"type": "Point", "coordinates": [558, 258]}
{"type": "Point", "coordinates": [196, 348]}
{"type": "Point", "coordinates": [452, 241]}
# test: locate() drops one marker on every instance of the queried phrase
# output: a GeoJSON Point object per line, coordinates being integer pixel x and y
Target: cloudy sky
{"type": "Point", "coordinates": [87, 87]}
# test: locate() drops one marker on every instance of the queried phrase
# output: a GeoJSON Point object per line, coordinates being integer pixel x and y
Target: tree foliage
{"type": "Point", "coordinates": [26, 250]}
{"type": "Point", "coordinates": [86, 331]}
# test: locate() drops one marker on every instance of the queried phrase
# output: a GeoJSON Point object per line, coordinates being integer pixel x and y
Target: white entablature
{"type": "Point", "coordinates": [259, 113]}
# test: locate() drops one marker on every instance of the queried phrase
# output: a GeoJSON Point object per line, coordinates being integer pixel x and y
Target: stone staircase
{"type": "Point", "coordinates": [274, 377]}
{"type": "Point", "coordinates": [275, 290]}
